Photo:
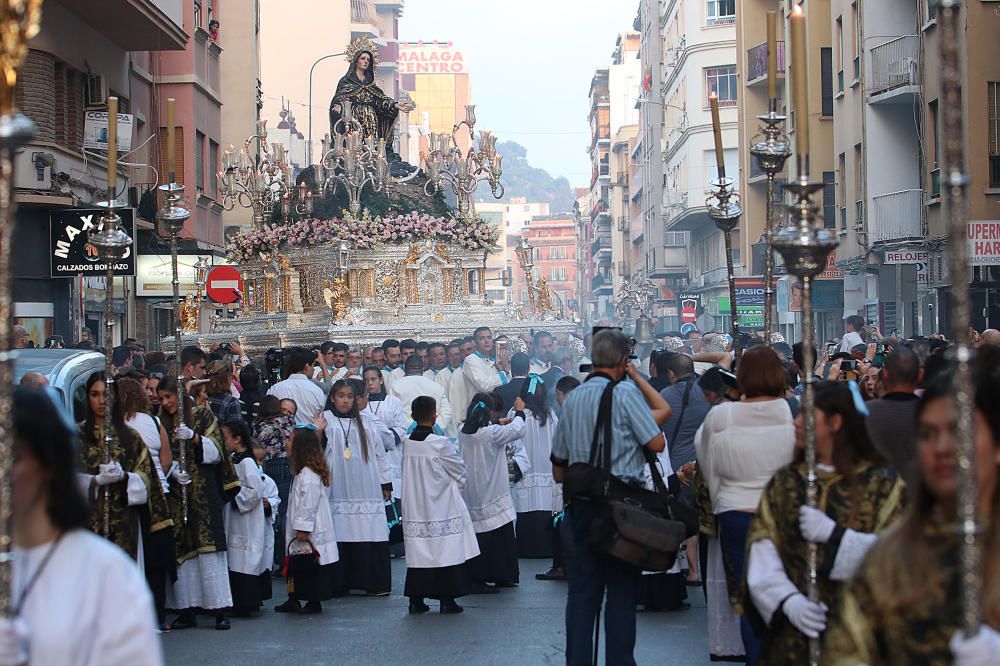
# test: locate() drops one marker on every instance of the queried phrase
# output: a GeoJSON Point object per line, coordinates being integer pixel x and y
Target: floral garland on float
{"type": "Point", "coordinates": [364, 232]}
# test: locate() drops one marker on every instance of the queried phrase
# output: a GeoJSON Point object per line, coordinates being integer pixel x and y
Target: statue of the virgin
{"type": "Point", "coordinates": [373, 110]}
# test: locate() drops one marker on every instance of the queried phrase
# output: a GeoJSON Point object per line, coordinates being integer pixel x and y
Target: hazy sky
{"type": "Point", "coordinates": [531, 62]}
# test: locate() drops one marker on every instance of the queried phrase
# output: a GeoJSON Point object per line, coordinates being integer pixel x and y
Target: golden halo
{"type": "Point", "coordinates": [359, 44]}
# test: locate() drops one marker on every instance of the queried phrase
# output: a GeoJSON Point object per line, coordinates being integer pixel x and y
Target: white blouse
{"type": "Point", "coordinates": [740, 446]}
{"type": "Point", "coordinates": [149, 430]}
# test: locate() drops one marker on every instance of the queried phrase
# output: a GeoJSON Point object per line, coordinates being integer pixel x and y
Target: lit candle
{"type": "Point", "coordinates": [772, 55]}
{"type": "Point", "coordinates": [112, 146]}
{"type": "Point", "coordinates": [171, 171]}
{"type": "Point", "coordinates": [800, 90]}
{"type": "Point", "coordinates": [713, 102]}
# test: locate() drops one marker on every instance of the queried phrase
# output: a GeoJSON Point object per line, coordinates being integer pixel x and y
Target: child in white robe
{"type": "Point", "coordinates": [533, 495]}
{"type": "Point", "coordinates": [438, 532]}
{"type": "Point", "coordinates": [271, 500]}
{"type": "Point", "coordinates": [245, 523]}
{"type": "Point", "coordinates": [360, 485]}
{"type": "Point", "coordinates": [487, 493]}
{"type": "Point", "coordinates": [309, 527]}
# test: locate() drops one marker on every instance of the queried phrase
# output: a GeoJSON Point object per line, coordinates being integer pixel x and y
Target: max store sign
{"type": "Point", "coordinates": [73, 255]}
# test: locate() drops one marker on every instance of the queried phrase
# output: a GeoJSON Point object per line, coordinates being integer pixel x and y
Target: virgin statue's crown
{"type": "Point", "coordinates": [359, 44]}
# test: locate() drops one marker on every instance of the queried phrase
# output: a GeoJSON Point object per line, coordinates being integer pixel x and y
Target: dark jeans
{"type": "Point", "coordinates": [278, 470]}
{"type": "Point", "coordinates": [733, 526]}
{"type": "Point", "coordinates": [589, 577]}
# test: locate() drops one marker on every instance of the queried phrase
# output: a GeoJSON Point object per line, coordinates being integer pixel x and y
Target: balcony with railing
{"type": "Point", "coordinates": [895, 75]}
{"type": "Point", "coordinates": [757, 63]}
{"type": "Point", "coordinates": [896, 216]}
{"type": "Point", "coordinates": [363, 11]}
{"type": "Point", "coordinates": [667, 261]}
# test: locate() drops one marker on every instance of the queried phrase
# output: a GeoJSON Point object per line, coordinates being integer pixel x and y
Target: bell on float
{"type": "Point", "coordinates": [644, 331]}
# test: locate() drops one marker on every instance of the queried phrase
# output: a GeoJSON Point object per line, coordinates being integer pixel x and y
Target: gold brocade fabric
{"type": "Point", "coordinates": [914, 634]}
{"type": "Point", "coordinates": [210, 488]}
{"type": "Point", "coordinates": [123, 520]}
{"type": "Point", "coordinates": [703, 502]}
{"type": "Point", "coordinates": [870, 505]}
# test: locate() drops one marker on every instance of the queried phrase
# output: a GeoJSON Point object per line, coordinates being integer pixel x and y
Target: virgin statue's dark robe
{"type": "Point", "coordinates": [370, 107]}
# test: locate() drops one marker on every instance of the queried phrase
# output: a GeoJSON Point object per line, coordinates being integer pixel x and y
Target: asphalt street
{"type": "Point", "coordinates": [518, 626]}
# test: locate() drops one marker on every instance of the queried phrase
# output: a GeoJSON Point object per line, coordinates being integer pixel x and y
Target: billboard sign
{"type": "Point", "coordinates": [95, 131]}
{"type": "Point", "coordinates": [984, 243]}
{"type": "Point", "coordinates": [70, 252]}
{"type": "Point", "coordinates": [430, 58]}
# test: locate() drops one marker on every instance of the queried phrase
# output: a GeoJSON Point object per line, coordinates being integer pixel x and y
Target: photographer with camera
{"type": "Point", "coordinates": [635, 411]}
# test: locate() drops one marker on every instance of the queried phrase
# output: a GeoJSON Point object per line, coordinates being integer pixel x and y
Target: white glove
{"type": "Point", "coordinates": [807, 616]}
{"type": "Point", "coordinates": [981, 650]}
{"type": "Point", "coordinates": [815, 525]}
{"type": "Point", "coordinates": [109, 473]}
{"type": "Point", "coordinates": [179, 476]}
{"type": "Point", "coordinates": [13, 642]}
{"type": "Point", "coordinates": [184, 432]}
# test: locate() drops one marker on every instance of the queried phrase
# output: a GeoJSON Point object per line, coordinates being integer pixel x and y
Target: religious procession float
{"type": "Point", "coordinates": [363, 247]}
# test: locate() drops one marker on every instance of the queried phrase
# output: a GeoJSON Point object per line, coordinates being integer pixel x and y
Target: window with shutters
{"type": "Point", "coordinates": [199, 161]}
{"type": "Point", "coordinates": [993, 116]}
{"type": "Point", "coordinates": [830, 199]}
{"type": "Point", "coordinates": [213, 167]}
{"type": "Point", "coordinates": [826, 72]}
{"type": "Point", "coordinates": [179, 154]}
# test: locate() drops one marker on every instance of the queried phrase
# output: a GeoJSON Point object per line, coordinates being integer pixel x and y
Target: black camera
{"type": "Point", "coordinates": [273, 360]}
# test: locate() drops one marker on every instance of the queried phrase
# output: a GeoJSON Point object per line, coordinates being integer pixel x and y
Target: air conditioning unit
{"type": "Point", "coordinates": [97, 90]}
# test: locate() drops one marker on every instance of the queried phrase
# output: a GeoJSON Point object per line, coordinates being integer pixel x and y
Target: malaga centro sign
{"type": "Point", "coordinates": [430, 58]}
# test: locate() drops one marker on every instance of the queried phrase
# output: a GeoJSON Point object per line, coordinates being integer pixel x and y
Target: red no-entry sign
{"type": "Point", "coordinates": [223, 283]}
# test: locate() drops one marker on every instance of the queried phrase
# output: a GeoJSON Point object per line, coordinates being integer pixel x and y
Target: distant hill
{"type": "Point", "coordinates": [520, 179]}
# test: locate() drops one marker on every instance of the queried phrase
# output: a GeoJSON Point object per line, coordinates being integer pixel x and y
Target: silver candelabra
{"type": "Point", "coordinates": [464, 171]}
{"type": "Point", "coordinates": [724, 209]}
{"type": "Point", "coordinates": [257, 177]}
{"type": "Point", "coordinates": [352, 161]}
{"type": "Point", "coordinates": [173, 216]}
{"type": "Point", "coordinates": [771, 152]}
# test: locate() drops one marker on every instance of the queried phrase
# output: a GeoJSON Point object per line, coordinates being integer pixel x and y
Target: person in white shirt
{"type": "Point", "coordinates": [333, 356]}
{"type": "Point", "coordinates": [60, 616]}
{"type": "Point", "coordinates": [309, 523]}
{"type": "Point", "coordinates": [481, 370]}
{"type": "Point", "coordinates": [541, 358]}
{"type": "Point", "coordinates": [439, 371]}
{"type": "Point", "coordinates": [437, 529]}
{"type": "Point", "coordinates": [392, 369]}
{"type": "Point", "coordinates": [309, 398]}
{"type": "Point", "coordinates": [740, 445]}
{"type": "Point", "coordinates": [483, 446]}
{"type": "Point", "coordinates": [413, 385]}
{"type": "Point", "coordinates": [389, 410]}
{"type": "Point", "coordinates": [360, 486]}
{"type": "Point", "coordinates": [355, 362]}
{"type": "Point", "coordinates": [853, 325]}
{"type": "Point", "coordinates": [271, 499]}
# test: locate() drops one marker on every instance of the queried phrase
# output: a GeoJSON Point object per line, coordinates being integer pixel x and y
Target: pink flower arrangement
{"type": "Point", "coordinates": [363, 232]}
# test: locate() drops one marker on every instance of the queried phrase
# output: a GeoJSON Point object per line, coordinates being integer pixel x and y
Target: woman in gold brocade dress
{"type": "Point", "coordinates": [904, 604]}
{"type": "Point", "coordinates": [858, 497]}
{"type": "Point", "coordinates": [128, 482]}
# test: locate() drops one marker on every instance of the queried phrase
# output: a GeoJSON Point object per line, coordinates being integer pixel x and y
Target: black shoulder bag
{"type": "Point", "coordinates": [633, 524]}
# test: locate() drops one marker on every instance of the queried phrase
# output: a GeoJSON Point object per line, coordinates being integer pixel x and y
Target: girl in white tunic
{"type": "Point", "coordinates": [487, 492]}
{"type": "Point", "coordinates": [272, 503]}
{"type": "Point", "coordinates": [360, 486]}
{"type": "Point", "coordinates": [60, 616]}
{"type": "Point", "coordinates": [389, 410]}
{"type": "Point", "coordinates": [308, 521]}
{"type": "Point", "coordinates": [245, 524]}
{"type": "Point", "coordinates": [535, 495]}
{"type": "Point", "coordinates": [437, 529]}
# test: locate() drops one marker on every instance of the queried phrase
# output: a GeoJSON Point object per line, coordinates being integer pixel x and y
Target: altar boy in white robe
{"type": "Point", "coordinates": [360, 485]}
{"type": "Point", "coordinates": [483, 445]}
{"type": "Point", "coordinates": [437, 528]}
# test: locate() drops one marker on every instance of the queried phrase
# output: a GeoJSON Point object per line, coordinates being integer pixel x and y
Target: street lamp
{"type": "Point", "coordinates": [309, 148]}
{"type": "Point", "coordinates": [343, 255]}
{"type": "Point", "coordinates": [524, 251]}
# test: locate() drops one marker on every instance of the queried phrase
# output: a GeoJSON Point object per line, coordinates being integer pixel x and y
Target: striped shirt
{"type": "Point", "coordinates": [632, 426]}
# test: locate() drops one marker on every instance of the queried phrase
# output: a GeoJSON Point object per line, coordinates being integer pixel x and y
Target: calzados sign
{"type": "Point", "coordinates": [71, 252]}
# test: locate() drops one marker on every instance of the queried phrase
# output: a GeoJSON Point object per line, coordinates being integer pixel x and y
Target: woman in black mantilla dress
{"type": "Point", "coordinates": [375, 111]}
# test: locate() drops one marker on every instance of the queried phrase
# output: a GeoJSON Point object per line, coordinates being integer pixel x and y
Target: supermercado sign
{"type": "Point", "coordinates": [72, 255]}
{"type": "Point", "coordinates": [984, 242]}
{"type": "Point", "coordinates": [430, 58]}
